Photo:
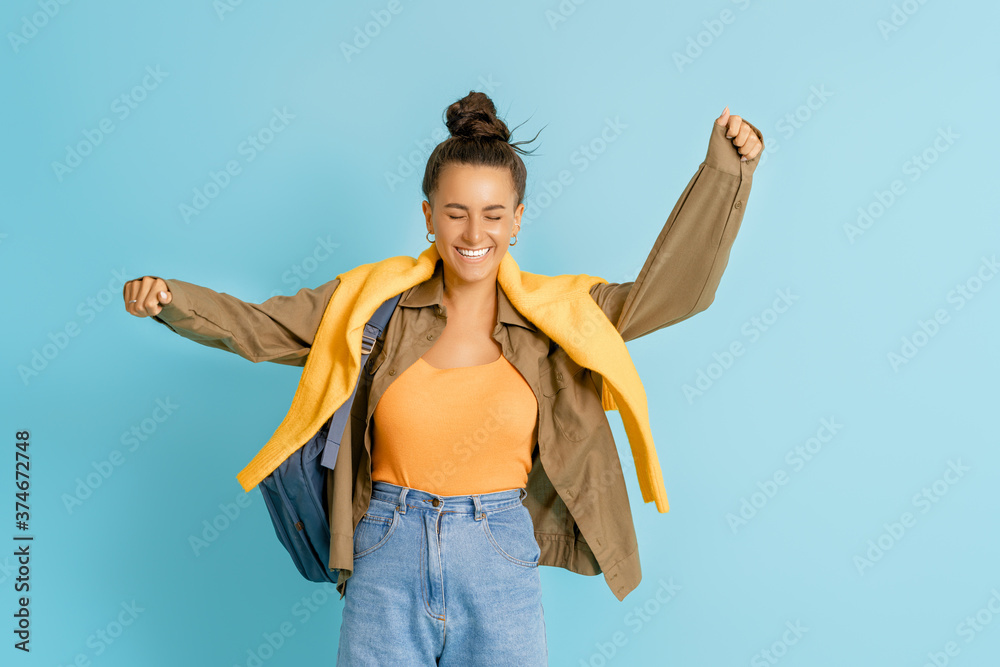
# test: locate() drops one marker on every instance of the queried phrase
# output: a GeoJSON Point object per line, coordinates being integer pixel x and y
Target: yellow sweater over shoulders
{"type": "Point", "coordinates": [560, 306]}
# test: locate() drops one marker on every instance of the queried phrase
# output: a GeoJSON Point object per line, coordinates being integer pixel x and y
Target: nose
{"type": "Point", "coordinates": [473, 231]}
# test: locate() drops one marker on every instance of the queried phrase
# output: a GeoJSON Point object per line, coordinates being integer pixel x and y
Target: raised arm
{"type": "Point", "coordinates": [279, 330]}
{"type": "Point", "coordinates": [685, 265]}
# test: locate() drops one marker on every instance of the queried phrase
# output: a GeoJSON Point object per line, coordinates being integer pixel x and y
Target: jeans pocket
{"type": "Point", "coordinates": [512, 535]}
{"type": "Point", "coordinates": [375, 528]}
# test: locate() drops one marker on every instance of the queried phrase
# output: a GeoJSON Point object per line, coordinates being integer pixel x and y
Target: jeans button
{"type": "Point", "coordinates": [435, 502]}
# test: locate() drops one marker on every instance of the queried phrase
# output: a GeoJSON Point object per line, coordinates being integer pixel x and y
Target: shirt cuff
{"type": "Point", "coordinates": [723, 154]}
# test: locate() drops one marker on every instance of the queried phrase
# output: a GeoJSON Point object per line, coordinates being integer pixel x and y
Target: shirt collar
{"type": "Point", "coordinates": [431, 292]}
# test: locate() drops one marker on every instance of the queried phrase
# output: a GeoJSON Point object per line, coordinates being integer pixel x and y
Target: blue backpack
{"type": "Point", "coordinates": [295, 492]}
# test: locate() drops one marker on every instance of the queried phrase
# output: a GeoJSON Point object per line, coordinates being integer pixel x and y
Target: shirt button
{"type": "Point", "coordinates": [559, 376]}
{"type": "Point", "coordinates": [430, 336]}
{"type": "Point", "coordinates": [392, 371]}
{"type": "Point", "coordinates": [739, 204]}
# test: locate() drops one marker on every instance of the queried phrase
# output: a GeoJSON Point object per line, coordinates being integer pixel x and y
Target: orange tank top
{"type": "Point", "coordinates": [456, 431]}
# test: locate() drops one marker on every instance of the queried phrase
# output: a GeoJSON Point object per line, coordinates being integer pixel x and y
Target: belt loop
{"type": "Point", "coordinates": [524, 493]}
{"type": "Point", "coordinates": [402, 500]}
{"type": "Point", "coordinates": [479, 507]}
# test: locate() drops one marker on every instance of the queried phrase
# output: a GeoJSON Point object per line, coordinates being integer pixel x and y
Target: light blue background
{"type": "Point", "coordinates": [886, 96]}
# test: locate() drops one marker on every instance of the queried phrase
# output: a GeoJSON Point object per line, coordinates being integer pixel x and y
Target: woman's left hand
{"type": "Point", "coordinates": [744, 138]}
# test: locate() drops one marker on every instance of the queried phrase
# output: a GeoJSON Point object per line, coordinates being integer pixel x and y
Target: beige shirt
{"type": "Point", "coordinates": [577, 496]}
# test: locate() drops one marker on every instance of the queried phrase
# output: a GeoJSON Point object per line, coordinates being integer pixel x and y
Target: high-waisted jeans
{"type": "Point", "coordinates": [443, 580]}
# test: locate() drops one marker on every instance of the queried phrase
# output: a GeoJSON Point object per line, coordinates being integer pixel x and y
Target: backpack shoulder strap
{"type": "Point", "coordinates": [338, 422]}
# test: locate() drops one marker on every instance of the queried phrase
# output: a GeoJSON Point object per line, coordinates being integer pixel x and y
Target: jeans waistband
{"type": "Point", "coordinates": [405, 497]}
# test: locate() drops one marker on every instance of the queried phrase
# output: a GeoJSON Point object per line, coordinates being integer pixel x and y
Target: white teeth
{"type": "Point", "coordinates": [469, 253]}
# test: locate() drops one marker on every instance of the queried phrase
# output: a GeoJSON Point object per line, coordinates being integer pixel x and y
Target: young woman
{"type": "Point", "coordinates": [489, 452]}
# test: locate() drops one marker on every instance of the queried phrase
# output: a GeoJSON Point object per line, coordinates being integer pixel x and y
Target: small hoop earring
{"type": "Point", "coordinates": [515, 240]}
{"type": "Point", "coordinates": [427, 236]}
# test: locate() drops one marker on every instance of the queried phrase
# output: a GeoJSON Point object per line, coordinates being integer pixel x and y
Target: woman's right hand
{"type": "Point", "coordinates": [146, 296]}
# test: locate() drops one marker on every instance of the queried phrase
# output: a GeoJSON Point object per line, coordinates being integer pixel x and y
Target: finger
{"type": "Point", "coordinates": [723, 118]}
{"type": "Point", "coordinates": [733, 126]}
{"type": "Point", "coordinates": [147, 303]}
{"type": "Point", "coordinates": [153, 304]}
{"type": "Point", "coordinates": [140, 293]}
{"type": "Point", "coordinates": [152, 300]}
{"type": "Point", "coordinates": [742, 137]}
{"type": "Point", "coordinates": [160, 289]}
{"type": "Point", "coordinates": [751, 148]}
{"type": "Point", "coordinates": [131, 290]}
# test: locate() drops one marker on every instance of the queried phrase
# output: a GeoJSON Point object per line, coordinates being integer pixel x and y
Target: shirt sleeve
{"type": "Point", "coordinates": [280, 330]}
{"type": "Point", "coordinates": [685, 265]}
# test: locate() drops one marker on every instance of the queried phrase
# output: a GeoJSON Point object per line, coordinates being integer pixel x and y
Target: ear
{"type": "Point", "coordinates": [426, 208]}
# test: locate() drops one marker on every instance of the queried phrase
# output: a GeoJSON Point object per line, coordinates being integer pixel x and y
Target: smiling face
{"type": "Point", "coordinates": [473, 211]}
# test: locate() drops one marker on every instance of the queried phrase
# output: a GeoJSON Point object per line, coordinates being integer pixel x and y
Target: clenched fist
{"type": "Point", "coordinates": [146, 296]}
{"type": "Point", "coordinates": [744, 138]}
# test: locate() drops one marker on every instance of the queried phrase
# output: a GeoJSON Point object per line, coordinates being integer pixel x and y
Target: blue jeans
{"type": "Point", "coordinates": [443, 580]}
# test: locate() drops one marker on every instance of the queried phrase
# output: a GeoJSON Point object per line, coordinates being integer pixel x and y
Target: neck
{"type": "Point", "coordinates": [477, 298]}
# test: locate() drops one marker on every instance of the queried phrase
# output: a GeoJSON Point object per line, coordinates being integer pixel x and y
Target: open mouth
{"type": "Point", "coordinates": [475, 257]}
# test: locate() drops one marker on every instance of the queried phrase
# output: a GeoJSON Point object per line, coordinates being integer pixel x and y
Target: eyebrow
{"type": "Point", "coordinates": [466, 208]}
